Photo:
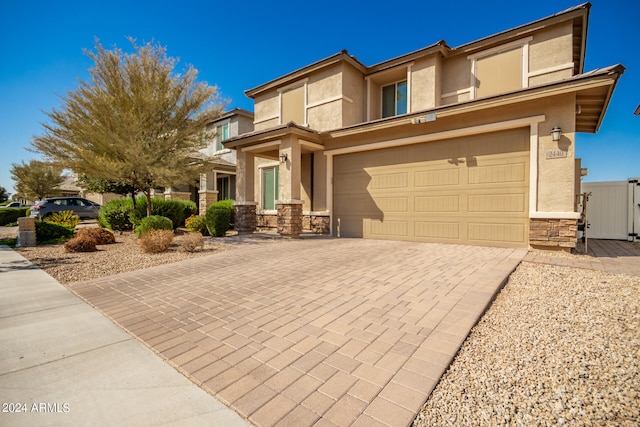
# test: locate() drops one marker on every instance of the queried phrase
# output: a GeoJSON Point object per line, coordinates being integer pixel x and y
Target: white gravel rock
{"type": "Point", "coordinates": [559, 346]}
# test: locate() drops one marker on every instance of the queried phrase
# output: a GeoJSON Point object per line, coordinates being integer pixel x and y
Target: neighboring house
{"type": "Point", "coordinates": [442, 144]}
{"type": "Point", "coordinates": [219, 182]}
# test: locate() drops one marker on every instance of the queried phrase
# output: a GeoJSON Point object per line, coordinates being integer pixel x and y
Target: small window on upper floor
{"type": "Point", "coordinates": [222, 134]}
{"type": "Point", "coordinates": [394, 99]}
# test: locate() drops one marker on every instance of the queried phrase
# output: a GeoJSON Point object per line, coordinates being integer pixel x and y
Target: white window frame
{"type": "Point", "coordinates": [218, 143]}
{"type": "Point", "coordinates": [395, 104]}
{"type": "Point", "coordinates": [275, 166]}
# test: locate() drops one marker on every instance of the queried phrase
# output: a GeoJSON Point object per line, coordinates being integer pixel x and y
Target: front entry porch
{"type": "Point", "coordinates": [280, 181]}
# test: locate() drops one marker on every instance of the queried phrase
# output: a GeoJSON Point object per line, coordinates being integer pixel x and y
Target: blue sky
{"type": "Point", "coordinates": [239, 45]}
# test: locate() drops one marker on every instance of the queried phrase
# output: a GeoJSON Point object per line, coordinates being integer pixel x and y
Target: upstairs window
{"type": "Point", "coordinates": [394, 99]}
{"type": "Point", "coordinates": [222, 134]}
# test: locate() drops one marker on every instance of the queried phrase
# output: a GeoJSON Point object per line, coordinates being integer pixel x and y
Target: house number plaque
{"type": "Point", "coordinates": [556, 154]}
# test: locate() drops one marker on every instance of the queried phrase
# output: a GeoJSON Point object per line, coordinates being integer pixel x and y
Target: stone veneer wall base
{"type": "Point", "coordinates": [547, 233]}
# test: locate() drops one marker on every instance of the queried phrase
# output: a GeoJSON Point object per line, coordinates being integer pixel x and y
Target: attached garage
{"type": "Point", "coordinates": [470, 190]}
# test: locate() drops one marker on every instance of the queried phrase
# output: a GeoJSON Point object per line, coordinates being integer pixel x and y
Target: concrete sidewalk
{"type": "Point", "coordinates": [63, 363]}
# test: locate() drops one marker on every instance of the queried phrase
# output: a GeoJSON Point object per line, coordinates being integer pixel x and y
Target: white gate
{"type": "Point", "coordinates": [613, 211]}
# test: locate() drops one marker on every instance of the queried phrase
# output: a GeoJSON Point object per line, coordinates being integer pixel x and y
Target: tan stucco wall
{"type": "Point", "coordinates": [456, 75]}
{"type": "Point", "coordinates": [266, 106]}
{"type": "Point", "coordinates": [354, 88]}
{"type": "Point", "coordinates": [556, 177]}
{"type": "Point", "coordinates": [551, 47]}
{"type": "Point", "coordinates": [326, 116]}
{"type": "Point", "coordinates": [424, 85]}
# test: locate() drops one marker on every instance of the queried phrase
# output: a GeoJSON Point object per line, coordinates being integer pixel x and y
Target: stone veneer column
{"type": "Point", "coordinates": [289, 218]}
{"type": "Point", "coordinates": [206, 199]}
{"type": "Point", "coordinates": [553, 233]}
{"type": "Point", "coordinates": [245, 217]}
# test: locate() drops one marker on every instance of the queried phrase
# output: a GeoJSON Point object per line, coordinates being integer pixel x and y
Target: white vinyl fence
{"type": "Point", "coordinates": [613, 209]}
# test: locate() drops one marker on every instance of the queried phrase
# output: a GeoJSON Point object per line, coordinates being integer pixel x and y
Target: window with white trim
{"type": "Point", "coordinates": [394, 99]}
{"type": "Point", "coordinates": [222, 134]}
{"type": "Point", "coordinates": [270, 187]}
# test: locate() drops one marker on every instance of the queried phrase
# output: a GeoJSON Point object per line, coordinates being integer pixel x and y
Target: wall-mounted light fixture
{"type": "Point", "coordinates": [283, 158]}
{"type": "Point", "coordinates": [556, 133]}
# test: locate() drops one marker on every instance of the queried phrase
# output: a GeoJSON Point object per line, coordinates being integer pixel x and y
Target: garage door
{"type": "Point", "coordinates": [471, 190]}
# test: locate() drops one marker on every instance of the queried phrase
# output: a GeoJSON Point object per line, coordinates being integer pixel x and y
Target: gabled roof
{"type": "Point", "coordinates": [342, 56]}
{"type": "Point", "coordinates": [579, 14]}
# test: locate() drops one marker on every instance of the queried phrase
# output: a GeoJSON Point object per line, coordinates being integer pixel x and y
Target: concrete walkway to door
{"type": "Point", "coordinates": [314, 331]}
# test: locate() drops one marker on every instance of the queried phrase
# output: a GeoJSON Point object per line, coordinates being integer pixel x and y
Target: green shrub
{"type": "Point", "coordinates": [219, 217]}
{"type": "Point", "coordinates": [67, 218]}
{"type": "Point", "coordinates": [10, 215]}
{"type": "Point", "coordinates": [47, 232]}
{"type": "Point", "coordinates": [114, 214]}
{"type": "Point", "coordinates": [174, 209]}
{"type": "Point", "coordinates": [197, 224]}
{"type": "Point", "coordinates": [153, 222]}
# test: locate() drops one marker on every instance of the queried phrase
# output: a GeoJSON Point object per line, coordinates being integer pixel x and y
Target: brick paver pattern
{"type": "Point", "coordinates": [311, 332]}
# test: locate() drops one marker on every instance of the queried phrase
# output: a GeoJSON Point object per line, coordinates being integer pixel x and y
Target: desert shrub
{"type": "Point", "coordinates": [11, 215]}
{"type": "Point", "coordinates": [197, 224]}
{"type": "Point", "coordinates": [153, 222]}
{"type": "Point", "coordinates": [82, 243]}
{"type": "Point", "coordinates": [174, 209]}
{"type": "Point", "coordinates": [47, 232]}
{"type": "Point", "coordinates": [192, 242]}
{"type": "Point", "coordinates": [156, 241]}
{"type": "Point", "coordinates": [114, 214]}
{"type": "Point", "coordinates": [102, 236]}
{"type": "Point", "coordinates": [67, 218]}
{"type": "Point", "coordinates": [219, 217]}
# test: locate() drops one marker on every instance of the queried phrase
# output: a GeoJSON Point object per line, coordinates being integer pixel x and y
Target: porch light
{"type": "Point", "coordinates": [556, 133]}
{"type": "Point", "coordinates": [283, 158]}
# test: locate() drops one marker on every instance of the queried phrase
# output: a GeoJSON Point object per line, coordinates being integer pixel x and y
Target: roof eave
{"type": "Point", "coordinates": [581, 10]}
{"type": "Point", "coordinates": [606, 76]}
{"type": "Point", "coordinates": [342, 56]}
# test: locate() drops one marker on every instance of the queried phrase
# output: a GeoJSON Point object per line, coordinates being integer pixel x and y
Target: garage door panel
{"type": "Point", "coordinates": [430, 178]}
{"type": "Point", "coordinates": [389, 180]}
{"type": "Point", "coordinates": [498, 173]}
{"type": "Point", "coordinates": [496, 232]}
{"type": "Point", "coordinates": [389, 228]}
{"type": "Point", "coordinates": [494, 203]}
{"type": "Point", "coordinates": [393, 204]}
{"type": "Point", "coordinates": [437, 230]}
{"type": "Point", "coordinates": [432, 204]}
{"type": "Point", "coordinates": [437, 194]}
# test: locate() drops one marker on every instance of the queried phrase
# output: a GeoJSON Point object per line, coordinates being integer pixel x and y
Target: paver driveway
{"type": "Point", "coordinates": [317, 331]}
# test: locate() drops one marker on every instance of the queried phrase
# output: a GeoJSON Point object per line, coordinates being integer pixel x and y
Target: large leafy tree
{"type": "Point", "coordinates": [36, 179]}
{"type": "Point", "coordinates": [102, 186]}
{"type": "Point", "coordinates": [136, 122]}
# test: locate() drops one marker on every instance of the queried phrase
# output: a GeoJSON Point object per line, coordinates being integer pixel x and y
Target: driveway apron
{"type": "Point", "coordinates": [311, 331]}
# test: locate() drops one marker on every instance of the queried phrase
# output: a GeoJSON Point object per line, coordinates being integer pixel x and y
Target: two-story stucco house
{"type": "Point", "coordinates": [219, 180]}
{"type": "Point", "coordinates": [473, 144]}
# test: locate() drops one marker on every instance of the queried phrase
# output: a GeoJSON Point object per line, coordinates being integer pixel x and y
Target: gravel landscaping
{"type": "Point", "coordinates": [559, 345]}
{"type": "Point", "coordinates": [122, 256]}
